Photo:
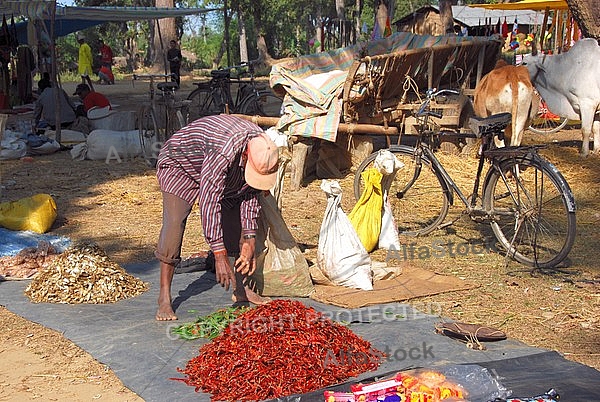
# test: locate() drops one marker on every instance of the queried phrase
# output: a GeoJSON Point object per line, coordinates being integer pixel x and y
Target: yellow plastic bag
{"type": "Point", "coordinates": [36, 213]}
{"type": "Point", "coordinates": [366, 214]}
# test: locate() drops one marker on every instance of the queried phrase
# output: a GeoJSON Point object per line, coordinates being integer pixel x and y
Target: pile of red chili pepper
{"type": "Point", "coordinates": [278, 349]}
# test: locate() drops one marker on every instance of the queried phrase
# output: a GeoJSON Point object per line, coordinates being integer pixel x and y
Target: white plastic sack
{"type": "Point", "coordinates": [341, 257]}
{"type": "Point", "coordinates": [67, 137]}
{"type": "Point", "coordinates": [388, 165]}
{"type": "Point", "coordinates": [79, 151]}
{"type": "Point", "coordinates": [46, 148]}
{"type": "Point", "coordinates": [98, 112]}
{"type": "Point", "coordinates": [388, 237]}
{"type": "Point", "coordinates": [12, 146]}
{"type": "Point", "coordinates": [113, 145]}
{"type": "Point", "coordinates": [102, 119]}
{"type": "Point", "coordinates": [280, 139]}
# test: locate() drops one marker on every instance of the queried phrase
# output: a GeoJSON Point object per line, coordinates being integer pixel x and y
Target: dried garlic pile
{"type": "Point", "coordinates": [83, 274]}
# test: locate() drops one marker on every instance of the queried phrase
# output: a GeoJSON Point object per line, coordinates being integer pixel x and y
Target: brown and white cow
{"type": "Point", "coordinates": [507, 89]}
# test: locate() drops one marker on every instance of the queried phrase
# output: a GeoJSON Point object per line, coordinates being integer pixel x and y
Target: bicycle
{"type": "Point", "coordinates": [546, 122]}
{"type": "Point", "coordinates": [160, 118]}
{"type": "Point", "coordinates": [251, 98]}
{"type": "Point", "coordinates": [525, 199]}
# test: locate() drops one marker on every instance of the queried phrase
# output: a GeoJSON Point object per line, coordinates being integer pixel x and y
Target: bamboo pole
{"type": "Point", "coordinates": [54, 72]}
{"type": "Point", "coordinates": [343, 128]}
{"type": "Point", "coordinates": [543, 32]}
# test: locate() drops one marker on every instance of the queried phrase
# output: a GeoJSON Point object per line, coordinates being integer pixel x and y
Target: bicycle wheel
{"type": "Point", "coordinates": [202, 103]}
{"type": "Point", "coordinates": [532, 210]}
{"type": "Point", "coordinates": [266, 103]}
{"type": "Point", "coordinates": [150, 135]}
{"type": "Point", "coordinates": [176, 120]}
{"type": "Point", "coordinates": [418, 196]}
{"type": "Point", "coordinates": [545, 122]}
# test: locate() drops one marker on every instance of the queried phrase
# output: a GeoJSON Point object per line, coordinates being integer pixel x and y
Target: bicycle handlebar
{"type": "Point", "coordinates": [432, 94]}
{"type": "Point", "coordinates": [151, 76]}
{"type": "Point", "coordinates": [238, 68]}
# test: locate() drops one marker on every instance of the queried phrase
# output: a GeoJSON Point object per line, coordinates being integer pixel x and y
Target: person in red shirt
{"type": "Point", "coordinates": [106, 76]}
{"type": "Point", "coordinates": [106, 55]}
{"type": "Point", "coordinates": [90, 99]}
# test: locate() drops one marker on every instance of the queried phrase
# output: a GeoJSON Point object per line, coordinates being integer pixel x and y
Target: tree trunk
{"type": "Point", "coordinates": [261, 44]}
{"type": "Point", "coordinates": [164, 31]}
{"type": "Point", "coordinates": [358, 12]}
{"type": "Point", "coordinates": [446, 16]}
{"type": "Point", "coordinates": [587, 16]}
{"type": "Point", "coordinates": [340, 10]}
{"type": "Point", "coordinates": [226, 20]}
{"type": "Point", "coordinates": [219, 56]}
{"type": "Point", "coordinates": [242, 34]}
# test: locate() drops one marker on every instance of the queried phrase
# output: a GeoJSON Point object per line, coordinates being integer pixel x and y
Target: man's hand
{"type": "Point", "coordinates": [246, 264]}
{"type": "Point", "coordinates": [224, 272]}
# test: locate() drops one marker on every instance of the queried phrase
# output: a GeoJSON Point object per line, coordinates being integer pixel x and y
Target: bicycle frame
{"type": "Point", "coordinates": [495, 156]}
{"type": "Point", "coordinates": [471, 204]}
{"type": "Point", "coordinates": [524, 198]}
{"type": "Point", "coordinates": [233, 90]}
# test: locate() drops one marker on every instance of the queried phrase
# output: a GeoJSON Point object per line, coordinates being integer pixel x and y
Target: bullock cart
{"type": "Point", "coordinates": [348, 97]}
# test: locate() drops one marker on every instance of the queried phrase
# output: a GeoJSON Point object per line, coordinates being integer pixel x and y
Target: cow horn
{"type": "Point", "coordinates": [533, 48]}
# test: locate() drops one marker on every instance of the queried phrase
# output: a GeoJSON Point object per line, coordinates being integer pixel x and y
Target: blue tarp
{"type": "Point", "coordinates": [71, 19]}
{"type": "Point", "coordinates": [61, 28]}
{"type": "Point", "coordinates": [11, 242]}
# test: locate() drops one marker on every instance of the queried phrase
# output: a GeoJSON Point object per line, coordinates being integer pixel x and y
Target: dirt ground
{"type": "Point", "coordinates": [118, 206]}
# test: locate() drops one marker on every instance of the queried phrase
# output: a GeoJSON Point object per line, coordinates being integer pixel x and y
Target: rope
{"type": "Point", "coordinates": [409, 83]}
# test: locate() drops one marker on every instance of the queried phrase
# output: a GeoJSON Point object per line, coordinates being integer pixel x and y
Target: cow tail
{"type": "Point", "coordinates": [514, 88]}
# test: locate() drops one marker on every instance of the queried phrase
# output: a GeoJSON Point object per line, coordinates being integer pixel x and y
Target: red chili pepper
{"type": "Point", "coordinates": [278, 349]}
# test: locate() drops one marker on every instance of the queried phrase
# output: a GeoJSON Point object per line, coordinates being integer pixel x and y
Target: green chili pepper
{"type": "Point", "coordinates": [209, 326]}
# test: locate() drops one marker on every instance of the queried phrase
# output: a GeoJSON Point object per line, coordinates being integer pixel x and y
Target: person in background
{"type": "Point", "coordinates": [174, 58]}
{"type": "Point", "coordinates": [45, 106]}
{"type": "Point", "coordinates": [222, 163]}
{"type": "Point", "coordinates": [106, 58]}
{"type": "Point", "coordinates": [105, 76]}
{"type": "Point", "coordinates": [91, 99]}
{"type": "Point", "coordinates": [44, 82]}
{"type": "Point", "coordinates": [84, 61]}
{"type": "Point", "coordinates": [106, 54]}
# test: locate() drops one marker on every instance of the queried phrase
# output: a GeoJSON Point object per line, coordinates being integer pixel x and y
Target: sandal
{"type": "Point", "coordinates": [469, 332]}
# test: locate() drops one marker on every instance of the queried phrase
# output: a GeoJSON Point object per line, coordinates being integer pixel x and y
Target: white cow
{"type": "Point", "coordinates": [570, 85]}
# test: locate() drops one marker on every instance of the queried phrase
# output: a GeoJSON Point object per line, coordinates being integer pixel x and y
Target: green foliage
{"type": "Point", "coordinates": [205, 49]}
{"type": "Point", "coordinates": [404, 8]}
{"type": "Point", "coordinates": [287, 26]}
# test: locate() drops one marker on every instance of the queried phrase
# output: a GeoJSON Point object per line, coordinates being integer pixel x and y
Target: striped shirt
{"type": "Point", "coordinates": [203, 162]}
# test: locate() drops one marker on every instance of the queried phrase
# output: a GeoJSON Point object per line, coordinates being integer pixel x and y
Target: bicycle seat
{"type": "Point", "coordinates": [167, 86]}
{"type": "Point", "coordinates": [220, 74]}
{"type": "Point", "coordinates": [489, 125]}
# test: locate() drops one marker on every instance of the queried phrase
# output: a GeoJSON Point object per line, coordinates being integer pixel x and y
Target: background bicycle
{"type": "Point", "coordinates": [546, 122]}
{"type": "Point", "coordinates": [525, 199]}
{"type": "Point", "coordinates": [233, 90]}
{"type": "Point", "coordinates": [162, 116]}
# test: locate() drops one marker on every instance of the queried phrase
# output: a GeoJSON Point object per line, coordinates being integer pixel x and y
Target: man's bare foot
{"type": "Point", "coordinates": [165, 312]}
{"type": "Point", "coordinates": [248, 295]}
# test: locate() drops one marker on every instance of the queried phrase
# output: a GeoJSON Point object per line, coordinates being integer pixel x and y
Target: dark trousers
{"type": "Point", "coordinates": [175, 215]}
{"type": "Point", "coordinates": [176, 75]}
{"type": "Point", "coordinates": [62, 125]}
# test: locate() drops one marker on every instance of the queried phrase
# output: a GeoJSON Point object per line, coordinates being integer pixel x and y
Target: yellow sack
{"type": "Point", "coordinates": [36, 213]}
{"type": "Point", "coordinates": [366, 214]}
